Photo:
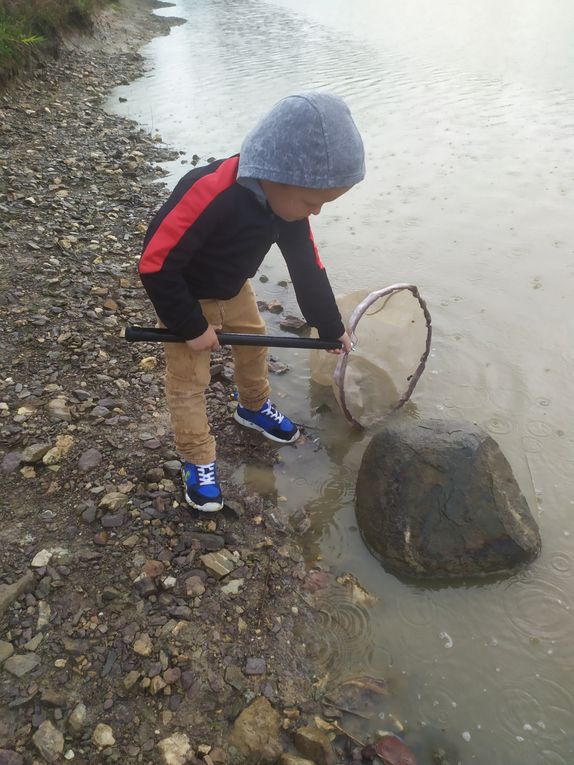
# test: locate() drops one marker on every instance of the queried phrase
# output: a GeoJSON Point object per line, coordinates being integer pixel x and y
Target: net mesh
{"type": "Point", "coordinates": [391, 329]}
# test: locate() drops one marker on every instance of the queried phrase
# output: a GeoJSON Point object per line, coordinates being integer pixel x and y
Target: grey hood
{"type": "Point", "coordinates": [307, 139]}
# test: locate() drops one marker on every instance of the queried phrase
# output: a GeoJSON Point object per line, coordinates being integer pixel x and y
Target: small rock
{"type": "Point", "coordinates": [143, 645]}
{"type": "Point", "coordinates": [194, 587]}
{"type": "Point", "coordinates": [292, 759]}
{"type": "Point", "coordinates": [293, 324]}
{"type": "Point", "coordinates": [41, 559]}
{"type": "Point", "coordinates": [10, 463]}
{"type": "Point", "coordinates": [277, 367]}
{"type": "Point", "coordinates": [6, 650]}
{"type": "Point", "coordinates": [314, 744]}
{"type": "Point", "coordinates": [255, 666]}
{"type": "Point", "coordinates": [219, 563]}
{"type": "Point", "coordinates": [255, 733]}
{"type": "Point", "coordinates": [35, 452]}
{"type": "Point", "coordinates": [113, 501]}
{"type": "Point", "coordinates": [274, 306]}
{"type": "Point", "coordinates": [175, 750]}
{"type": "Point", "coordinates": [20, 664]}
{"type": "Point", "coordinates": [89, 460]}
{"type": "Point", "coordinates": [153, 568]}
{"type": "Point", "coordinates": [172, 467]}
{"type": "Point", "coordinates": [78, 718]}
{"type": "Point", "coordinates": [58, 410]}
{"type": "Point", "coordinates": [49, 741]}
{"type": "Point", "coordinates": [131, 679]}
{"type": "Point", "coordinates": [103, 736]}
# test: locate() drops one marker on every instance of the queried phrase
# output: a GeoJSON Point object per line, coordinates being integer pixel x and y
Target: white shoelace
{"type": "Point", "coordinates": [271, 411]}
{"type": "Point", "coordinates": [206, 474]}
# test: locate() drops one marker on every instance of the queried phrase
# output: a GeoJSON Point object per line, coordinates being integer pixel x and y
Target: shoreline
{"type": "Point", "coordinates": [118, 630]}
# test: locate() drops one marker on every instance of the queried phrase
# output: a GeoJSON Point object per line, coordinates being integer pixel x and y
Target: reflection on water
{"type": "Point", "coordinates": [467, 111]}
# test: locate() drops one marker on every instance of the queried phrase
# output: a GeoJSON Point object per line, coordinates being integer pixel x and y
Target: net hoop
{"type": "Point", "coordinates": [341, 368]}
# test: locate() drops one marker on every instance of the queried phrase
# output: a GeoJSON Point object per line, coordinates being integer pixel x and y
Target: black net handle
{"type": "Point", "coordinates": [364, 305]}
{"type": "Point", "coordinates": [153, 335]}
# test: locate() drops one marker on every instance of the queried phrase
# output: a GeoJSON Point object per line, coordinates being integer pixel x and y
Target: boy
{"type": "Point", "coordinates": [212, 235]}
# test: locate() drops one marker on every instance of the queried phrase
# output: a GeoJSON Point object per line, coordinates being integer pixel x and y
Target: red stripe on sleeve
{"type": "Point", "coordinates": [317, 258]}
{"type": "Point", "coordinates": [185, 213]}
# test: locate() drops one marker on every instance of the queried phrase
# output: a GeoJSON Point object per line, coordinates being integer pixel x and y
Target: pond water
{"type": "Point", "coordinates": [467, 112]}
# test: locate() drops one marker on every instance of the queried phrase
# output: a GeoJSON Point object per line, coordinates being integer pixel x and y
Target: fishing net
{"type": "Point", "coordinates": [391, 332]}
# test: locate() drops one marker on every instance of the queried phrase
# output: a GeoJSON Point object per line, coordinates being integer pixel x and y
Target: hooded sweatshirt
{"type": "Point", "coordinates": [216, 227]}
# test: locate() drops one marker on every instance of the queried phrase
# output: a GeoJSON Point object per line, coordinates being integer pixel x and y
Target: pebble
{"type": "Point", "coordinates": [143, 645]}
{"type": "Point", "coordinates": [6, 650]}
{"type": "Point", "coordinates": [175, 749]}
{"type": "Point", "coordinates": [89, 460]}
{"type": "Point", "coordinates": [49, 741]}
{"type": "Point", "coordinates": [78, 718]}
{"type": "Point", "coordinates": [103, 736]}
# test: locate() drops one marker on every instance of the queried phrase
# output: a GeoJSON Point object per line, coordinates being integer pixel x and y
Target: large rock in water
{"type": "Point", "coordinates": [437, 499]}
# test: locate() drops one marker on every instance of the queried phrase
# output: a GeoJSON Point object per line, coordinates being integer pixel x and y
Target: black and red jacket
{"type": "Point", "coordinates": [210, 236]}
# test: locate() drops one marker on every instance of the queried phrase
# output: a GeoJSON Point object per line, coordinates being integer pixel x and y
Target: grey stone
{"type": "Point", "coordinates": [172, 467]}
{"type": "Point", "coordinates": [10, 463]}
{"type": "Point", "coordinates": [49, 741]}
{"type": "Point", "coordinates": [438, 499]}
{"type": "Point", "coordinates": [89, 460]}
{"type": "Point", "coordinates": [255, 666]}
{"type": "Point", "coordinates": [20, 664]}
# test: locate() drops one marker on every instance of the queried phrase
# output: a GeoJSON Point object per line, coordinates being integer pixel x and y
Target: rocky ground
{"type": "Point", "coordinates": [132, 630]}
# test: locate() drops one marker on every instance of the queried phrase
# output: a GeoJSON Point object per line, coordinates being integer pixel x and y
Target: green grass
{"type": "Point", "coordinates": [27, 25]}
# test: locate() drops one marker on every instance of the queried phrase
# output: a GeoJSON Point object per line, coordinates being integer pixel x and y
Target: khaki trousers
{"type": "Point", "coordinates": [187, 375]}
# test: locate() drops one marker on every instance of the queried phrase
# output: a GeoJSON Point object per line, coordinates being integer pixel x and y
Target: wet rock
{"type": "Point", "coordinates": [293, 324]}
{"type": "Point", "coordinates": [438, 499]}
{"type": "Point", "coordinates": [255, 733]}
{"type": "Point", "coordinates": [34, 453]}
{"type": "Point", "coordinates": [315, 745]}
{"type": "Point", "coordinates": [277, 367]}
{"type": "Point", "coordinates": [21, 664]}
{"type": "Point", "coordinates": [392, 751]}
{"type": "Point", "coordinates": [6, 650]}
{"type": "Point", "coordinates": [49, 741]}
{"type": "Point", "coordinates": [89, 460]}
{"type": "Point", "coordinates": [175, 750]}
{"type": "Point", "coordinates": [274, 306]}
{"type": "Point", "coordinates": [103, 736]}
{"type": "Point", "coordinates": [78, 718]}
{"type": "Point", "coordinates": [9, 757]}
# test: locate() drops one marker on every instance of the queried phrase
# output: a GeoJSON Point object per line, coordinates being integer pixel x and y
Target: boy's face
{"type": "Point", "coordinates": [296, 202]}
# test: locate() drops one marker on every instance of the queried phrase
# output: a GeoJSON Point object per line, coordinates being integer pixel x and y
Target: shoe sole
{"type": "Point", "coordinates": [238, 418]}
{"type": "Point", "coordinates": [209, 507]}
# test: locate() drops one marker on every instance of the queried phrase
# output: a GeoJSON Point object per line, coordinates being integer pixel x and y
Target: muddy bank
{"type": "Point", "coordinates": [118, 606]}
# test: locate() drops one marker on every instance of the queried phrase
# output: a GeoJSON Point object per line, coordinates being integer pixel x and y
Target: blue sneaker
{"type": "Point", "coordinates": [269, 421]}
{"type": "Point", "coordinates": [201, 488]}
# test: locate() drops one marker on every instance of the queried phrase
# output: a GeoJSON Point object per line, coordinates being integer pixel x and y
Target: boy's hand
{"type": "Point", "coordinates": [347, 345]}
{"type": "Point", "coordinates": [206, 342]}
